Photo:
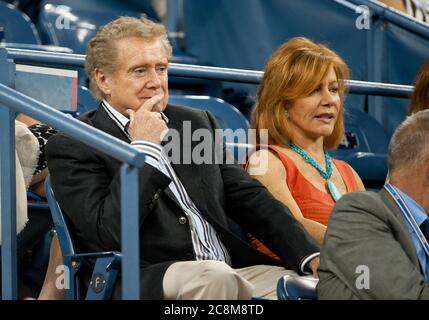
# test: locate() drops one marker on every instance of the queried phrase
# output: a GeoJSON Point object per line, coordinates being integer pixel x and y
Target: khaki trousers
{"type": "Point", "coordinates": [215, 280]}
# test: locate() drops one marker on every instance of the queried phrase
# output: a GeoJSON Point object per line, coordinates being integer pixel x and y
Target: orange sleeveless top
{"type": "Point", "coordinates": [314, 204]}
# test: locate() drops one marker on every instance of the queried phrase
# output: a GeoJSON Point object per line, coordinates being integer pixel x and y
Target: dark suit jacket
{"type": "Point", "coordinates": [86, 184]}
{"type": "Point", "coordinates": [367, 229]}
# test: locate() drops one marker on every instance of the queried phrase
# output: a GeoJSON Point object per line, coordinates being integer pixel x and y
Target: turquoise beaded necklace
{"type": "Point", "coordinates": [335, 194]}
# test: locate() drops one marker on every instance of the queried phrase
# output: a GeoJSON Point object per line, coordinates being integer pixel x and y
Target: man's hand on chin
{"type": "Point", "coordinates": [314, 264]}
{"type": "Point", "coordinates": [146, 124]}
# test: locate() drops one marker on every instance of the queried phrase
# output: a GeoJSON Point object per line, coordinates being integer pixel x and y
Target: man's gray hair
{"type": "Point", "coordinates": [101, 52]}
{"type": "Point", "coordinates": [409, 145]}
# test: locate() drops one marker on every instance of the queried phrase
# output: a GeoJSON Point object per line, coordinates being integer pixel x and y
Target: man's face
{"type": "Point", "coordinates": [141, 73]}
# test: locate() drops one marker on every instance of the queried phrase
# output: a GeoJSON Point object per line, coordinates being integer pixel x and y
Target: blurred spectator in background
{"type": "Point", "coordinates": [418, 9]}
{"type": "Point", "coordinates": [395, 4]}
{"type": "Point", "coordinates": [300, 102]}
{"type": "Point", "coordinates": [420, 97]}
{"type": "Point", "coordinates": [160, 7]}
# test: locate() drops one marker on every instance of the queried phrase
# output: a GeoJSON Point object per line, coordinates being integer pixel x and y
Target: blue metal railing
{"type": "Point", "coordinates": [133, 160]}
{"type": "Point", "coordinates": [204, 72]}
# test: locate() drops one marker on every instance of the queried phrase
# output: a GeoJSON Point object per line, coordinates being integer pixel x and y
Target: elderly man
{"type": "Point", "coordinates": [187, 248]}
{"type": "Point", "coordinates": [376, 246]}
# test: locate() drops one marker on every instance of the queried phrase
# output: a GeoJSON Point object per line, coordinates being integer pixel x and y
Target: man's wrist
{"type": "Point", "coordinates": [314, 264]}
{"type": "Point", "coordinates": [308, 262]}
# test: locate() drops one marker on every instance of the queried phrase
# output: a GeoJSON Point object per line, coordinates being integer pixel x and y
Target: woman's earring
{"type": "Point", "coordinates": [286, 114]}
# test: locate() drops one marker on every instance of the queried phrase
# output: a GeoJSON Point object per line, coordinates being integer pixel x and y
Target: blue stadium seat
{"type": "Point", "coordinates": [227, 115]}
{"type": "Point", "coordinates": [85, 100]}
{"type": "Point", "coordinates": [62, 25]}
{"type": "Point", "coordinates": [297, 288]}
{"type": "Point", "coordinates": [36, 201]}
{"type": "Point", "coordinates": [16, 27]}
{"type": "Point", "coordinates": [107, 264]}
{"type": "Point", "coordinates": [364, 147]}
{"type": "Point", "coordinates": [17, 31]}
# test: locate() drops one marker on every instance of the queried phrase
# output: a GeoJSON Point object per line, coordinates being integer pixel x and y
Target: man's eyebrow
{"type": "Point", "coordinates": [133, 67]}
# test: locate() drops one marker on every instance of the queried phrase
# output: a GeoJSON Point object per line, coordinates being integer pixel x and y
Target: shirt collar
{"type": "Point", "coordinates": [417, 211]}
{"type": "Point", "coordinates": [116, 116]}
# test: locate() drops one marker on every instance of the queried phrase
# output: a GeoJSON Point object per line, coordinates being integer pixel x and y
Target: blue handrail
{"type": "Point", "coordinates": [11, 100]}
{"type": "Point", "coordinates": [255, 77]}
{"type": "Point", "coordinates": [45, 57]}
{"type": "Point", "coordinates": [204, 72]}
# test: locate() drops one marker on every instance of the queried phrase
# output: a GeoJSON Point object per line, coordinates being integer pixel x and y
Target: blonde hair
{"type": "Point", "coordinates": [101, 52]}
{"type": "Point", "coordinates": [293, 71]}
